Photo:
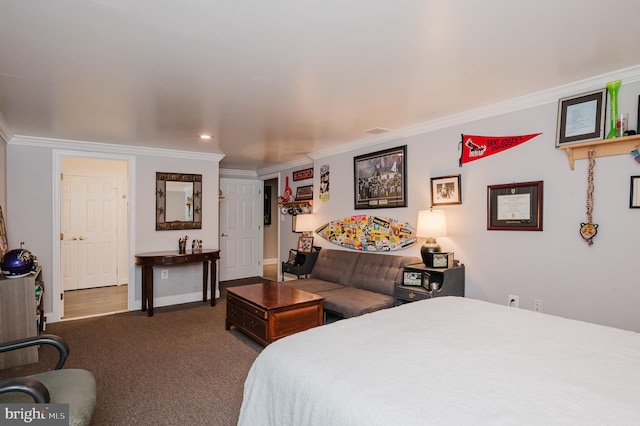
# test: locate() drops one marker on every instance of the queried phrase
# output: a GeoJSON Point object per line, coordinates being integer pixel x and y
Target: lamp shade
{"type": "Point", "coordinates": [432, 223]}
{"type": "Point", "coordinates": [304, 223]}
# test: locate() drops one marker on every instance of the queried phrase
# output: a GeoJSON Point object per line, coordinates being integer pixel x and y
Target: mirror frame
{"type": "Point", "coordinates": [161, 201]}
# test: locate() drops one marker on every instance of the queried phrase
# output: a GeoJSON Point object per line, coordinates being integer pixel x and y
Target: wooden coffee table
{"type": "Point", "coordinates": [270, 311]}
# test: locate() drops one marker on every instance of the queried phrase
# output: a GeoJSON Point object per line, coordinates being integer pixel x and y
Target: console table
{"type": "Point", "coordinates": [168, 258]}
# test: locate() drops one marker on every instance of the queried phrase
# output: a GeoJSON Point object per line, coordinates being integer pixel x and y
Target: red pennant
{"type": "Point", "coordinates": [476, 147]}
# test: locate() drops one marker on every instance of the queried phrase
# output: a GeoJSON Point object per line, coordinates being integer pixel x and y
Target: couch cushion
{"type": "Point", "coordinates": [379, 272]}
{"type": "Point", "coordinates": [351, 302]}
{"type": "Point", "coordinates": [335, 265]}
{"type": "Point", "coordinates": [313, 285]}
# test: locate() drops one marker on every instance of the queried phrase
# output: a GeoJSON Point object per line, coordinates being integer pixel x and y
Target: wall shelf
{"type": "Point", "coordinates": [296, 204]}
{"type": "Point", "coordinates": [602, 148]}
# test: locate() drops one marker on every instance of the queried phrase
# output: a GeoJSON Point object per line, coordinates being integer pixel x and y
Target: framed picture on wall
{"type": "Point", "coordinates": [445, 190]}
{"type": "Point", "coordinates": [380, 179]}
{"type": "Point", "coordinates": [515, 207]}
{"type": "Point", "coordinates": [634, 196]}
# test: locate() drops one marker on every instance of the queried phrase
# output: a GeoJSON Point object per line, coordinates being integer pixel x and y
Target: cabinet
{"type": "Point", "coordinates": [21, 315]}
{"type": "Point", "coordinates": [602, 148]}
{"type": "Point", "coordinates": [437, 282]}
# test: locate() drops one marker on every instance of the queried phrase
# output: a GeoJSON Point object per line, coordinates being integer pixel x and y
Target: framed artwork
{"type": "Point", "coordinates": [305, 244]}
{"type": "Point", "coordinates": [267, 205]}
{"type": "Point", "coordinates": [446, 190]}
{"type": "Point", "coordinates": [303, 174]}
{"type": "Point", "coordinates": [515, 206]}
{"type": "Point", "coordinates": [380, 179]}
{"type": "Point", "coordinates": [304, 193]}
{"type": "Point", "coordinates": [581, 118]}
{"type": "Point", "coordinates": [634, 193]}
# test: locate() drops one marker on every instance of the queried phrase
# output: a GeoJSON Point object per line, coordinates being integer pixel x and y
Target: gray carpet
{"type": "Point", "coordinates": [178, 367]}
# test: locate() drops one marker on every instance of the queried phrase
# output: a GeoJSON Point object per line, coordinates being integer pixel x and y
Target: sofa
{"type": "Point", "coordinates": [354, 283]}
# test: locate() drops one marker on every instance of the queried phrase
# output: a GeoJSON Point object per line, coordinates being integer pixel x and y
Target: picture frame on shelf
{"type": "Point", "coordinates": [305, 244]}
{"type": "Point", "coordinates": [445, 190]}
{"type": "Point", "coordinates": [304, 193]}
{"type": "Point", "coordinates": [515, 206]}
{"type": "Point", "coordinates": [380, 179]}
{"type": "Point", "coordinates": [634, 193]}
{"type": "Point", "coordinates": [581, 118]}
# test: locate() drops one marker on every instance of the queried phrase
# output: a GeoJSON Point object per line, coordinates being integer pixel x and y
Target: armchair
{"type": "Point", "coordinates": [58, 386]}
{"type": "Point", "coordinates": [303, 263]}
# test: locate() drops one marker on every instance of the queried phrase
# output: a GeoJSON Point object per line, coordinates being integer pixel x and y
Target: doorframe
{"type": "Point", "coordinates": [56, 284]}
{"type": "Point", "coordinates": [276, 176]}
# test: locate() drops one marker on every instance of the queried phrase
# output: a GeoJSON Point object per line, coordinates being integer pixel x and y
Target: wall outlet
{"type": "Point", "coordinates": [513, 301]}
{"type": "Point", "coordinates": [164, 274]}
{"type": "Point", "coordinates": [537, 305]}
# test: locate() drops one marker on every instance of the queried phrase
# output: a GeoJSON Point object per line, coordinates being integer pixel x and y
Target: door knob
{"type": "Point", "coordinates": [82, 237]}
{"type": "Point", "coordinates": [74, 238]}
{"type": "Point", "coordinates": [223, 235]}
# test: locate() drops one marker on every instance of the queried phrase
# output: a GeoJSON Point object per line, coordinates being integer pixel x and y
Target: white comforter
{"type": "Point", "coordinates": [448, 361]}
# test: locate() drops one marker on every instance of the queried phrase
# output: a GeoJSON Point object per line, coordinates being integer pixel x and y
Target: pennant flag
{"type": "Point", "coordinates": [476, 147]}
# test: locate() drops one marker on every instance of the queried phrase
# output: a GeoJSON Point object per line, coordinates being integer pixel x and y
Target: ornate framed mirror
{"type": "Point", "coordinates": [178, 201]}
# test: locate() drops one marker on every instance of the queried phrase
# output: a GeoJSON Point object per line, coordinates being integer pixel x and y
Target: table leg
{"type": "Point", "coordinates": [214, 279]}
{"type": "Point", "coordinates": [148, 287]}
{"type": "Point", "coordinates": [145, 276]}
{"type": "Point", "coordinates": [205, 279]}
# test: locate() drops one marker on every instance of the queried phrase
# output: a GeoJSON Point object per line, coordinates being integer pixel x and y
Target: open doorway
{"type": "Point", "coordinates": [93, 236]}
{"type": "Point", "coordinates": [270, 240]}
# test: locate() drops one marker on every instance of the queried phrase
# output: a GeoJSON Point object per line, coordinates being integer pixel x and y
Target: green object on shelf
{"type": "Point", "coordinates": [612, 88]}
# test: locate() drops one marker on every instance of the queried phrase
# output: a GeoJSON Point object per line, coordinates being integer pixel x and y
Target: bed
{"type": "Point", "coordinates": [447, 361]}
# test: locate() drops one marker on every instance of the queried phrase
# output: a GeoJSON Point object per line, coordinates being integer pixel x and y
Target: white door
{"type": "Point", "coordinates": [89, 235]}
{"type": "Point", "coordinates": [241, 218]}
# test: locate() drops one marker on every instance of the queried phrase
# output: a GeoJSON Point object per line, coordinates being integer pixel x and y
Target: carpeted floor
{"type": "Point", "coordinates": [178, 367]}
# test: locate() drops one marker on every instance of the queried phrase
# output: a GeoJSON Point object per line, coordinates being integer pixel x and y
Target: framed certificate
{"type": "Point", "coordinates": [515, 206]}
{"type": "Point", "coordinates": [581, 118]}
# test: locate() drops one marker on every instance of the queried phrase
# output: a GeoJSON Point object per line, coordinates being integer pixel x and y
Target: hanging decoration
{"type": "Point", "coordinates": [476, 147]}
{"type": "Point", "coordinates": [324, 183]}
{"type": "Point", "coordinates": [589, 229]}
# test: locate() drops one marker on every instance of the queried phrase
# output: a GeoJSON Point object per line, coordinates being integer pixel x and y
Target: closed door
{"type": "Point", "coordinates": [89, 232]}
{"type": "Point", "coordinates": [241, 217]}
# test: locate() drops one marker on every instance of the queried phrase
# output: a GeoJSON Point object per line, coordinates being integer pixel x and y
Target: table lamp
{"type": "Point", "coordinates": [304, 224]}
{"type": "Point", "coordinates": [431, 225]}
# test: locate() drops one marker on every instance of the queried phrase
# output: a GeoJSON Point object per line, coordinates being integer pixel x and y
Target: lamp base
{"type": "Point", "coordinates": [430, 246]}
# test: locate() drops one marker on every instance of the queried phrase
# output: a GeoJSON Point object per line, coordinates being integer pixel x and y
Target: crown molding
{"type": "Point", "coordinates": [230, 173]}
{"type": "Point", "coordinates": [280, 167]}
{"type": "Point", "coordinates": [627, 75]}
{"type": "Point", "coordinates": [112, 148]}
{"type": "Point", "coordinates": [5, 133]}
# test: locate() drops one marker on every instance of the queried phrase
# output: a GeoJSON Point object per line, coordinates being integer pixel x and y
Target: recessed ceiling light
{"type": "Point", "coordinates": [204, 137]}
{"type": "Point", "coordinates": [376, 130]}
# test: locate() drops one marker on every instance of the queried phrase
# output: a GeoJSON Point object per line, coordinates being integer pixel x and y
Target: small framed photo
{"type": "Point", "coordinates": [380, 179]}
{"type": "Point", "coordinates": [515, 207]}
{"type": "Point", "coordinates": [303, 174]}
{"type": "Point", "coordinates": [412, 278]}
{"type": "Point", "coordinates": [445, 190]}
{"type": "Point", "coordinates": [581, 118]}
{"type": "Point", "coordinates": [305, 244]}
{"type": "Point", "coordinates": [304, 193]}
{"type": "Point", "coordinates": [634, 196]}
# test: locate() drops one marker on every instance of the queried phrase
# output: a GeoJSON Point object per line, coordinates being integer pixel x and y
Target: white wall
{"type": "Point", "coordinates": [597, 283]}
{"type": "Point", "coordinates": [30, 164]}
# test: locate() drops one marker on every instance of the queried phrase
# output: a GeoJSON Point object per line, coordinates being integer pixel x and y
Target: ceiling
{"type": "Point", "coordinates": [274, 80]}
